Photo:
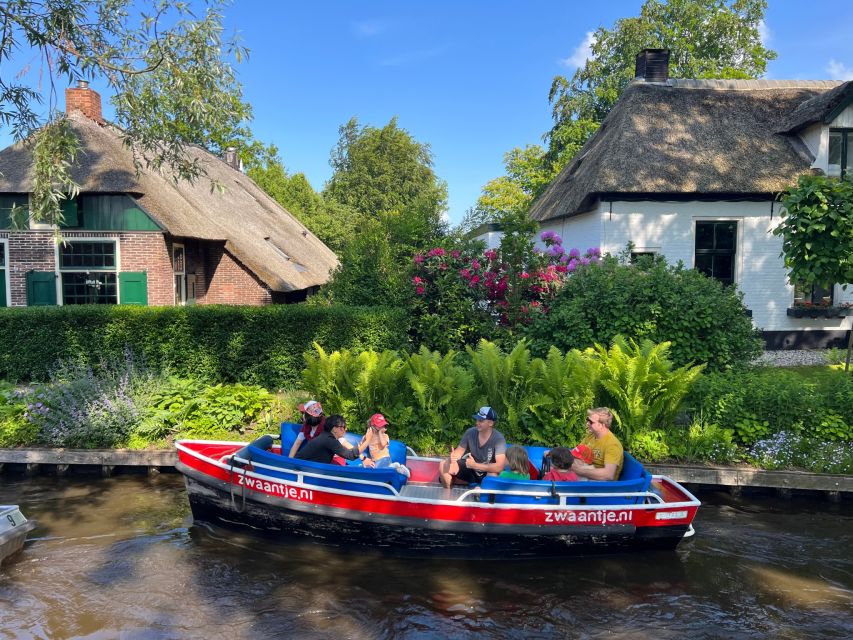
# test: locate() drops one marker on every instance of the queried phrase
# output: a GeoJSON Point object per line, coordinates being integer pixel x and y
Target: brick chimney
{"type": "Point", "coordinates": [652, 65]}
{"type": "Point", "coordinates": [82, 98]}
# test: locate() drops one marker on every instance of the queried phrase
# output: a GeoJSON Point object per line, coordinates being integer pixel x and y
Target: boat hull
{"type": "Point", "coordinates": [217, 502]}
{"type": "Point", "coordinates": [14, 528]}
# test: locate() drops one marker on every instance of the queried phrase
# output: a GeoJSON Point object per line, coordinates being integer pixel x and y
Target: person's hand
{"type": "Point", "coordinates": [453, 467]}
{"type": "Point", "coordinates": [369, 463]}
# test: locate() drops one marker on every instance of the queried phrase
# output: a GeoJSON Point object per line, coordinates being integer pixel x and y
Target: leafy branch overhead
{"type": "Point", "coordinates": [169, 71]}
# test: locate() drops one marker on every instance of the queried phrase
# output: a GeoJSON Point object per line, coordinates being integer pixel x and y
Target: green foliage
{"type": "Point", "coordinates": [640, 384]}
{"type": "Point", "coordinates": [702, 441]}
{"type": "Point", "coordinates": [761, 402]}
{"type": "Point", "coordinates": [15, 429]}
{"type": "Point", "coordinates": [817, 230]}
{"type": "Point", "coordinates": [165, 63]}
{"type": "Point", "coordinates": [707, 38]}
{"type": "Point", "coordinates": [703, 319]}
{"type": "Point", "coordinates": [787, 450]}
{"type": "Point", "coordinates": [650, 446]}
{"type": "Point", "coordinates": [253, 345]}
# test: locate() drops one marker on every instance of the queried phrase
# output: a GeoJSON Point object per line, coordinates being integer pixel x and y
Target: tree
{"type": "Point", "coordinates": [706, 38]}
{"type": "Point", "coordinates": [168, 69]}
{"type": "Point", "coordinates": [817, 233]}
{"type": "Point", "coordinates": [384, 180]}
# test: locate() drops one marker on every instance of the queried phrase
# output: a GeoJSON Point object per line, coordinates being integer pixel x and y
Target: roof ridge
{"type": "Point", "coordinates": [743, 85]}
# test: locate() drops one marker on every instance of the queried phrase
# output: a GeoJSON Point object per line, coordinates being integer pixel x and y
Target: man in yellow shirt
{"type": "Point", "coordinates": [608, 452]}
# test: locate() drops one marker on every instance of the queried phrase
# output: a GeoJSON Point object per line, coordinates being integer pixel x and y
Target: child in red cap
{"type": "Point", "coordinates": [564, 461]}
{"type": "Point", "coordinates": [378, 440]}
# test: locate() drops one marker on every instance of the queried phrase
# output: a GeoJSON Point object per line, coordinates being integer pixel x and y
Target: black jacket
{"type": "Point", "coordinates": [323, 447]}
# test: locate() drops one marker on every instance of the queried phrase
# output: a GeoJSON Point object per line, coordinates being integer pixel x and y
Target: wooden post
{"type": "Point", "coordinates": [62, 469]}
{"type": "Point", "coordinates": [736, 490]}
{"type": "Point", "coordinates": [834, 496]}
{"type": "Point", "coordinates": [153, 471]}
{"type": "Point", "coordinates": [784, 492]}
{"type": "Point", "coordinates": [107, 470]}
{"type": "Point", "coordinates": [32, 468]}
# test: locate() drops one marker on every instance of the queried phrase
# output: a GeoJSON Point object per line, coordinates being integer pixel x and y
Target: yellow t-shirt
{"type": "Point", "coordinates": [606, 450]}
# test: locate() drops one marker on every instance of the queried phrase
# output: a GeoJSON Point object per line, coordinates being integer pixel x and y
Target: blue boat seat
{"type": "Point", "coordinates": [289, 431]}
{"type": "Point", "coordinates": [334, 475]}
{"type": "Point", "coordinates": [633, 479]}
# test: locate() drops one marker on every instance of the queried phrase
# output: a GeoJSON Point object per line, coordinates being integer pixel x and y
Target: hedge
{"type": "Point", "coordinates": [258, 345]}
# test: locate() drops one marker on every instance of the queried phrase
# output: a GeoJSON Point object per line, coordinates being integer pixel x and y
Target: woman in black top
{"type": "Point", "coordinates": [327, 445]}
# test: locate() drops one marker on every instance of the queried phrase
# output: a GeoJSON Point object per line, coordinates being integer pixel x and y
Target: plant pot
{"type": "Point", "coordinates": [819, 312]}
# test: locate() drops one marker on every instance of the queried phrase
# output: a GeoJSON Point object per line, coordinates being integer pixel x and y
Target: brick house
{"type": "Point", "coordinates": [145, 239]}
{"type": "Point", "coordinates": [690, 169]}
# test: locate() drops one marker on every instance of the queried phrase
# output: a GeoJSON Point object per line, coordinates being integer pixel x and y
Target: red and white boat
{"type": "Point", "coordinates": [233, 484]}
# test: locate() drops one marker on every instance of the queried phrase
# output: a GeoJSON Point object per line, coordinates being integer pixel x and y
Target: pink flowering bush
{"type": "Point", "coordinates": [464, 294]}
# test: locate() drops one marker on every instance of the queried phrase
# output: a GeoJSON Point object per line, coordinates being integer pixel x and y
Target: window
{"type": "Point", "coordinates": [840, 152]}
{"type": "Point", "coordinates": [3, 287]}
{"type": "Point", "coordinates": [715, 250]}
{"type": "Point", "coordinates": [813, 294]}
{"type": "Point", "coordinates": [88, 272]}
{"type": "Point", "coordinates": [14, 211]}
{"type": "Point", "coordinates": [180, 271]}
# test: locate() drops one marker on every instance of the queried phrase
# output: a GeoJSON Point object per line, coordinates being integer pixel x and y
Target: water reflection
{"type": "Point", "coordinates": [121, 558]}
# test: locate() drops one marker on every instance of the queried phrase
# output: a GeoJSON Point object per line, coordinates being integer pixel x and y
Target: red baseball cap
{"type": "Point", "coordinates": [583, 453]}
{"type": "Point", "coordinates": [312, 408]}
{"type": "Point", "coordinates": [378, 420]}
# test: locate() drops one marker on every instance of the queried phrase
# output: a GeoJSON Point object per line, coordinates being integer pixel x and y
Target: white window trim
{"type": "Point", "coordinates": [183, 298]}
{"type": "Point", "coordinates": [6, 270]}
{"type": "Point", "coordinates": [738, 239]}
{"type": "Point", "coordinates": [58, 271]}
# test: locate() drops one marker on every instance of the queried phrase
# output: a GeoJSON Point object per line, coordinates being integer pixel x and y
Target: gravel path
{"type": "Point", "coordinates": [792, 358]}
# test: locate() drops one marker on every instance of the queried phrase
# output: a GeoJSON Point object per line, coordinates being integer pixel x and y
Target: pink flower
{"type": "Point", "coordinates": [438, 251]}
{"type": "Point", "coordinates": [475, 265]}
{"type": "Point", "coordinates": [491, 254]}
{"type": "Point", "coordinates": [416, 280]}
{"type": "Point", "coordinates": [443, 266]}
{"type": "Point", "coordinates": [525, 275]}
{"type": "Point", "coordinates": [418, 258]}
{"type": "Point", "coordinates": [475, 280]}
{"type": "Point", "coordinates": [465, 273]}
{"type": "Point", "coordinates": [454, 253]}
{"type": "Point", "coordinates": [420, 290]}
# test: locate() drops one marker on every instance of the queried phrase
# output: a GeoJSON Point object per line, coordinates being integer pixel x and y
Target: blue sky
{"type": "Point", "coordinates": [468, 77]}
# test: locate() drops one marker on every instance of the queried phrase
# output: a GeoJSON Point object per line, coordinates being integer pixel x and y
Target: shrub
{"type": "Point", "coordinates": [650, 445]}
{"type": "Point", "coordinates": [704, 320]}
{"type": "Point", "coordinates": [15, 429]}
{"type": "Point", "coordinates": [786, 450]}
{"type": "Point", "coordinates": [253, 345]}
{"type": "Point", "coordinates": [702, 440]}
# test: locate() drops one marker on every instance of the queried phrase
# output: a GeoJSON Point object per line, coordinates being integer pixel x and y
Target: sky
{"type": "Point", "coordinates": [468, 77]}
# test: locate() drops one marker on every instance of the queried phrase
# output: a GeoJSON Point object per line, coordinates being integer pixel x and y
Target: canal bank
{"type": "Point", "coordinates": [106, 462]}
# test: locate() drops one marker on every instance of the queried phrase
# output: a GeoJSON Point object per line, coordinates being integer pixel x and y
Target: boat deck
{"type": "Point", "coordinates": [434, 491]}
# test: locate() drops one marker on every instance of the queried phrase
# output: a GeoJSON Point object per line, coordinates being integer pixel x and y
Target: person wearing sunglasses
{"type": "Point", "coordinates": [327, 445]}
{"type": "Point", "coordinates": [608, 454]}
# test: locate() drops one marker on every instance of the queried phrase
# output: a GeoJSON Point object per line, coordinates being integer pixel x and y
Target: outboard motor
{"type": "Point", "coordinates": [264, 442]}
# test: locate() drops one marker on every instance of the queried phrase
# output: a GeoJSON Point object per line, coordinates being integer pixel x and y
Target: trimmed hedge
{"type": "Point", "coordinates": [256, 345]}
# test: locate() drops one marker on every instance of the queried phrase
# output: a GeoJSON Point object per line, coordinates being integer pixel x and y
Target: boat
{"type": "Point", "coordinates": [14, 528]}
{"type": "Point", "coordinates": [255, 487]}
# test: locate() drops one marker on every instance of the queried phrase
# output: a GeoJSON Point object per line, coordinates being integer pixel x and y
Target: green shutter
{"type": "Point", "coordinates": [2, 287]}
{"type": "Point", "coordinates": [70, 215]}
{"type": "Point", "coordinates": [133, 287]}
{"type": "Point", "coordinates": [41, 288]}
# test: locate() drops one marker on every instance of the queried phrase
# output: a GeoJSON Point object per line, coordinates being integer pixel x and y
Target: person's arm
{"type": "Point", "coordinates": [488, 467]}
{"type": "Point", "coordinates": [458, 452]}
{"type": "Point", "coordinates": [351, 453]}
{"type": "Point", "coordinates": [296, 444]}
{"type": "Point", "coordinates": [607, 472]}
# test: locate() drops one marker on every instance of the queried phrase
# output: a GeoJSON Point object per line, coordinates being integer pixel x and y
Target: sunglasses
{"type": "Point", "coordinates": [340, 426]}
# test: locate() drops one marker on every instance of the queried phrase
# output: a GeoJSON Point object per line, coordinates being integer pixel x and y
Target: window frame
{"type": "Point", "coordinates": [809, 299]}
{"type": "Point", "coordinates": [180, 300]}
{"type": "Point", "coordinates": [846, 139]}
{"type": "Point", "coordinates": [735, 253]}
{"type": "Point", "coordinates": [4, 272]}
{"type": "Point", "coordinates": [60, 270]}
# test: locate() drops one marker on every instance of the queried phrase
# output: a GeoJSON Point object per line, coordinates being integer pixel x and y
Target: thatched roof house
{"type": "Point", "coordinates": [277, 251]}
{"type": "Point", "coordinates": [699, 138]}
{"type": "Point", "coordinates": [691, 169]}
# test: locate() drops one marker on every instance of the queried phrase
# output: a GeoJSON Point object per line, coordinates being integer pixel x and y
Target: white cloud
{"type": "Point", "coordinates": [582, 52]}
{"type": "Point", "coordinates": [764, 33]}
{"type": "Point", "coordinates": [838, 70]}
{"type": "Point", "coordinates": [369, 28]}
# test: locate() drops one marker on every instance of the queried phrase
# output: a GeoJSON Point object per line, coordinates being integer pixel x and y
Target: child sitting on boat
{"type": "Point", "coordinates": [519, 464]}
{"type": "Point", "coordinates": [378, 444]}
{"type": "Point", "coordinates": [564, 461]}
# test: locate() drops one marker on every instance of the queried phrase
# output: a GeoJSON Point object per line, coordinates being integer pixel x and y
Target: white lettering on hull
{"type": "Point", "coordinates": [276, 488]}
{"type": "Point", "coordinates": [601, 516]}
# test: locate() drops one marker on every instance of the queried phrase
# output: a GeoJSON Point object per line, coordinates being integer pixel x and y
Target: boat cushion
{"type": "Point", "coordinates": [634, 479]}
{"type": "Point", "coordinates": [335, 476]}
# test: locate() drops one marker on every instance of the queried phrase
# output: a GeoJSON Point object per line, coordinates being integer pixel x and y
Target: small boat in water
{"type": "Point", "coordinates": [14, 528]}
{"type": "Point", "coordinates": [255, 486]}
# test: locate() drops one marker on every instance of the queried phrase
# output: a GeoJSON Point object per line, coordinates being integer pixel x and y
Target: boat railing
{"type": "Point", "coordinates": [563, 496]}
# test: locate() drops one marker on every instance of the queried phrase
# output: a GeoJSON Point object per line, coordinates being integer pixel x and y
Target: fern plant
{"type": "Point", "coordinates": [508, 383]}
{"type": "Point", "coordinates": [640, 384]}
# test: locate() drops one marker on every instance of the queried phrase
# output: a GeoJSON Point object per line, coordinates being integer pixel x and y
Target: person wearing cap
{"type": "Point", "coordinates": [608, 454]}
{"type": "Point", "coordinates": [378, 444]}
{"type": "Point", "coordinates": [312, 424]}
{"type": "Point", "coordinates": [327, 445]}
{"type": "Point", "coordinates": [481, 452]}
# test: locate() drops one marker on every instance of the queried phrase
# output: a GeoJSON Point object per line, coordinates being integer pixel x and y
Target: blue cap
{"type": "Point", "coordinates": [485, 413]}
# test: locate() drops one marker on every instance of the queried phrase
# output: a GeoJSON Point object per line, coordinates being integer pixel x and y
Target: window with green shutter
{"type": "Point", "coordinates": [41, 288]}
{"type": "Point", "coordinates": [133, 287]}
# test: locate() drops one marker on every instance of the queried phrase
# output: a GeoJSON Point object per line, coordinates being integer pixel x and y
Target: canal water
{"type": "Point", "coordinates": [120, 558]}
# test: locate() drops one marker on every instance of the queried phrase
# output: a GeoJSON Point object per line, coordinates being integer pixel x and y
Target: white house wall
{"type": "Point", "coordinates": [668, 228]}
{"type": "Point", "coordinates": [844, 119]}
{"type": "Point", "coordinates": [579, 232]}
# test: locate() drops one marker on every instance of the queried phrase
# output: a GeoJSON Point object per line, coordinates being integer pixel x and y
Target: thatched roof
{"type": "Point", "coordinates": [817, 109]}
{"type": "Point", "coordinates": [701, 138]}
{"type": "Point", "coordinates": [258, 231]}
